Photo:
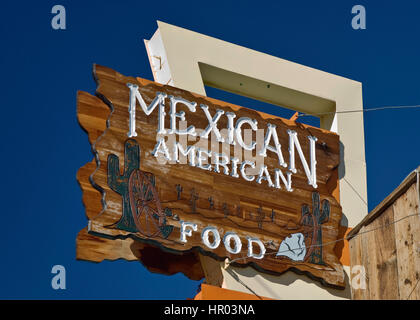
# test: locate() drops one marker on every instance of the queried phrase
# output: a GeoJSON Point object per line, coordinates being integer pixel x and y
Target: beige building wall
{"type": "Point", "coordinates": [190, 60]}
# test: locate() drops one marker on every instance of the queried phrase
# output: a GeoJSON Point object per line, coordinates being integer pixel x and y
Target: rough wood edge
{"type": "Point", "coordinates": [381, 207]}
{"type": "Point", "coordinates": [85, 239]}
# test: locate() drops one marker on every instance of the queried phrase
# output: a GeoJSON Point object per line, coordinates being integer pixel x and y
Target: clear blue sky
{"type": "Point", "coordinates": [43, 145]}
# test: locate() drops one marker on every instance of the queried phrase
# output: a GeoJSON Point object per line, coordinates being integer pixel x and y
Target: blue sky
{"type": "Point", "coordinates": [43, 145]}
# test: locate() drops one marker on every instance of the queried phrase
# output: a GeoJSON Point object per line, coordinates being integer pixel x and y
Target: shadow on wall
{"type": "Point", "coordinates": [341, 175]}
{"type": "Point", "coordinates": [344, 221]}
{"type": "Point", "coordinates": [287, 279]}
{"type": "Point", "coordinates": [342, 166]}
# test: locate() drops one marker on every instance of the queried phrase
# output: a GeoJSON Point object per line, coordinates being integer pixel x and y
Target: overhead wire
{"type": "Point", "coordinates": [359, 233]}
{"type": "Point", "coordinates": [321, 245]}
{"type": "Point", "coordinates": [359, 110]}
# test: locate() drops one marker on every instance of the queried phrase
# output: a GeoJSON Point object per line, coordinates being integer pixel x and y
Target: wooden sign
{"type": "Point", "coordinates": [181, 173]}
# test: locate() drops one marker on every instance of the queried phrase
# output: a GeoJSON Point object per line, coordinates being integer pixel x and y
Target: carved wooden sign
{"type": "Point", "coordinates": [183, 173]}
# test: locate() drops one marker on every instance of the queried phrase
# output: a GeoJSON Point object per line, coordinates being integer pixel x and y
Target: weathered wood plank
{"type": "Point", "coordinates": [356, 260]}
{"type": "Point", "coordinates": [382, 257]}
{"type": "Point", "coordinates": [212, 270]}
{"type": "Point", "coordinates": [407, 233]}
{"type": "Point", "coordinates": [389, 200]}
{"type": "Point", "coordinates": [387, 244]}
{"type": "Point", "coordinates": [96, 249]}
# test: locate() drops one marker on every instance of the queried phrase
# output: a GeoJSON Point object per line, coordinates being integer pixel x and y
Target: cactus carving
{"type": "Point", "coordinates": [142, 210]}
{"type": "Point", "coordinates": [119, 183]}
{"type": "Point", "coordinates": [315, 220]}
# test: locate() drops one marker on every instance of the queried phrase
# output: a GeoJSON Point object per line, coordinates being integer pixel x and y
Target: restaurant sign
{"type": "Point", "coordinates": [183, 172]}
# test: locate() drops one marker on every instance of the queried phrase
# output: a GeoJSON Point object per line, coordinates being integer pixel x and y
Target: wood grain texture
{"type": "Point", "coordinates": [95, 249]}
{"type": "Point", "coordinates": [212, 270]}
{"type": "Point", "coordinates": [389, 200]}
{"type": "Point", "coordinates": [382, 258]}
{"type": "Point", "coordinates": [357, 258]}
{"type": "Point", "coordinates": [387, 246]}
{"type": "Point", "coordinates": [407, 238]}
{"type": "Point", "coordinates": [92, 116]}
{"type": "Point", "coordinates": [246, 208]}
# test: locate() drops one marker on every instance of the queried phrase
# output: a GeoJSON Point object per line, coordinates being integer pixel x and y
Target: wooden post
{"type": "Point", "coordinates": [212, 270]}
